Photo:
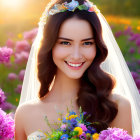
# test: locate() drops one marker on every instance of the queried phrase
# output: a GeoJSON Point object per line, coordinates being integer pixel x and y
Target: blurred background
{"type": "Point", "coordinates": [18, 27]}
{"type": "Point", "coordinates": [19, 15]}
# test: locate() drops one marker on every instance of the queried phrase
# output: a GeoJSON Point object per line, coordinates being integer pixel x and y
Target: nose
{"type": "Point", "coordinates": [76, 53]}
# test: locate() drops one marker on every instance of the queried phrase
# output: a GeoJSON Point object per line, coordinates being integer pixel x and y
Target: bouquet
{"type": "Point", "coordinates": [74, 127]}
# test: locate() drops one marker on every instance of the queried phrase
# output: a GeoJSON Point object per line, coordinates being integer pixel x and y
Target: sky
{"type": "Point", "coordinates": [17, 10]}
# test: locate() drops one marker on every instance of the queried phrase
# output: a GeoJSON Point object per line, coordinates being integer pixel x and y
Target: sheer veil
{"type": "Point", "coordinates": [114, 64]}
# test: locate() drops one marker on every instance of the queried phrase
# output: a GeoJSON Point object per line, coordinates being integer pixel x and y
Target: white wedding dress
{"type": "Point", "coordinates": [37, 135]}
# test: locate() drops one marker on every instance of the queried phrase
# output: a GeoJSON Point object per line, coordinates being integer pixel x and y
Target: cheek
{"type": "Point", "coordinates": [90, 54]}
{"type": "Point", "coordinates": [58, 53]}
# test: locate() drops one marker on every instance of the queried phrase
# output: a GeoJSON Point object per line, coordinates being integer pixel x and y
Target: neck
{"type": "Point", "coordinates": [64, 89]}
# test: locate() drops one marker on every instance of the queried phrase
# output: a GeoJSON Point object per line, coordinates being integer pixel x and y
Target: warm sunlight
{"type": "Point", "coordinates": [11, 3]}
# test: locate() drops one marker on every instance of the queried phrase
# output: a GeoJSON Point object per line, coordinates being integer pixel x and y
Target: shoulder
{"type": "Point", "coordinates": [24, 109]}
{"type": "Point", "coordinates": [122, 102]}
{"type": "Point", "coordinates": [23, 116]}
{"type": "Point", "coordinates": [123, 118]}
{"type": "Point", "coordinates": [119, 99]}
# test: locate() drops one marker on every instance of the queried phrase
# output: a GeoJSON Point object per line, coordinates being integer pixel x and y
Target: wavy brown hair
{"type": "Point", "coordinates": [95, 85]}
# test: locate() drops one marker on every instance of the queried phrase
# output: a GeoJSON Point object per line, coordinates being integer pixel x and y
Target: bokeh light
{"type": "Point", "coordinates": [11, 3]}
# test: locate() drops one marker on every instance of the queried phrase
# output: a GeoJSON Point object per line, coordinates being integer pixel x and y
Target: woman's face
{"type": "Point", "coordinates": [75, 48]}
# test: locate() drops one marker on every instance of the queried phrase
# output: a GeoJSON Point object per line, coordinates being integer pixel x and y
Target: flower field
{"type": "Point", "coordinates": [14, 53]}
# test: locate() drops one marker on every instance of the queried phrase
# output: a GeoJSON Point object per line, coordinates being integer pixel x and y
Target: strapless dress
{"type": "Point", "coordinates": [37, 135]}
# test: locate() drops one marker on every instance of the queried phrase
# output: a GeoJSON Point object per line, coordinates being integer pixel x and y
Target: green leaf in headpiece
{"type": "Point", "coordinates": [82, 7]}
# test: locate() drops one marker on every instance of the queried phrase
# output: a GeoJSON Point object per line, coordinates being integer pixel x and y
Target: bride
{"type": "Point", "coordinates": [75, 61]}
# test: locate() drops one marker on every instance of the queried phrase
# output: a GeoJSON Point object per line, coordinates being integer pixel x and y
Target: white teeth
{"type": "Point", "coordinates": [74, 65]}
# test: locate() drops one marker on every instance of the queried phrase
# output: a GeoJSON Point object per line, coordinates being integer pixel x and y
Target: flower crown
{"type": "Point", "coordinates": [71, 6]}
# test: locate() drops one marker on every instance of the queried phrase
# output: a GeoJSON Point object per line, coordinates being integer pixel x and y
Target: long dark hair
{"type": "Point", "coordinates": [95, 84]}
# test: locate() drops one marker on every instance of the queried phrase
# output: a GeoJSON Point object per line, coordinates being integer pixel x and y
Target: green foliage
{"type": "Point", "coordinates": [119, 7]}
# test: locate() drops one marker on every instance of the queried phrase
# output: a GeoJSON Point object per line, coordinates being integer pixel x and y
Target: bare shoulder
{"type": "Point", "coordinates": [21, 118]}
{"type": "Point", "coordinates": [24, 109]}
{"type": "Point", "coordinates": [123, 118]}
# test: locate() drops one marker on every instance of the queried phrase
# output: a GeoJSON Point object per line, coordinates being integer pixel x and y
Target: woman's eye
{"type": "Point", "coordinates": [64, 43]}
{"type": "Point", "coordinates": [88, 43]}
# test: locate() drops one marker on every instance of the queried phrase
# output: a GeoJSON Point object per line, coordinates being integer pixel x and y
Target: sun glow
{"type": "Point", "coordinates": [11, 3]}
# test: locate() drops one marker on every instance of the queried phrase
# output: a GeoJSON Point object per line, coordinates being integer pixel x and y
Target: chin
{"type": "Point", "coordinates": [74, 76]}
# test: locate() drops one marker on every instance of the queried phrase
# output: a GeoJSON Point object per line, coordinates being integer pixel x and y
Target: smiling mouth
{"type": "Point", "coordinates": [75, 65]}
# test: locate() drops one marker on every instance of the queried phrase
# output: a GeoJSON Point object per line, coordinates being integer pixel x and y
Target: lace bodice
{"type": "Point", "coordinates": [37, 135]}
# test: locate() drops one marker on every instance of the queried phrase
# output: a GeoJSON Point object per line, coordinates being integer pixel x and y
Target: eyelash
{"type": "Point", "coordinates": [62, 42]}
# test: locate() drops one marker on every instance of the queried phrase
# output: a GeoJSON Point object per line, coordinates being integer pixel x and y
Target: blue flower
{"type": "Point", "coordinates": [64, 120]}
{"type": "Point", "coordinates": [72, 5]}
{"type": "Point", "coordinates": [74, 122]}
{"type": "Point", "coordinates": [64, 137]}
{"type": "Point", "coordinates": [72, 113]}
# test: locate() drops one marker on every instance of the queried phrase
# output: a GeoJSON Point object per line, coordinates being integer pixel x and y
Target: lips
{"type": "Point", "coordinates": [74, 64]}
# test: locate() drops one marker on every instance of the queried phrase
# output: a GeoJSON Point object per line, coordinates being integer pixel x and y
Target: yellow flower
{"type": "Point", "coordinates": [59, 119]}
{"type": "Point", "coordinates": [138, 27]}
{"type": "Point", "coordinates": [95, 136]}
{"type": "Point", "coordinates": [52, 136]}
{"type": "Point", "coordinates": [19, 35]}
{"type": "Point", "coordinates": [72, 117]}
{"type": "Point", "coordinates": [79, 129]}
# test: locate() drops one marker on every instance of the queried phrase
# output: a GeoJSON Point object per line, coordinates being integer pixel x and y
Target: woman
{"type": "Point", "coordinates": [71, 52]}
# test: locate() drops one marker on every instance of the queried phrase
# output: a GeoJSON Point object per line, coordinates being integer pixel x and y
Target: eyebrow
{"type": "Point", "coordinates": [72, 40]}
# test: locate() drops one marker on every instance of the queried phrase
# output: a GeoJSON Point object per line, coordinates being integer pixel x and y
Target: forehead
{"type": "Point", "coordinates": [75, 28]}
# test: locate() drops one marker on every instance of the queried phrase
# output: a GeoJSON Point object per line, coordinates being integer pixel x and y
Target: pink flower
{"type": "Point", "coordinates": [12, 76]}
{"type": "Point", "coordinates": [18, 89]}
{"type": "Point", "coordinates": [30, 35]}
{"type": "Point", "coordinates": [10, 43]}
{"type": "Point", "coordinates": [21, 75]}
{"type": "Point", "coordinates": [84, 128]}
{"type": "Point", "coordinates": [2, 97]}
{"type": "Point", "coordinates": [118, 34]}
{"type": "Point", "coordinates": [135, 75]}
{"type": "Point", "coordinates": [22, 46]}
{"type": "Point", "coordinates": [83, 136]}
{"type": "Point", "coordinates": [134, 37]}
{"type": "Point", "coordinates": [7, 125]}
{"type": "Point", "coordinates": [5, 54]}
{"type": "Point", "coordinates": [114, 134]}
{"type": "Point", "coordinates": [128, 31]}
{"type": "Point", "coordinates": [21, 57]}
{"type": "Point", "coordinates": [63, 126]}
{"type": "Point", "coordinates": [132, 50]}
{"type": "Point", "coordinates": [138, 41]}
{"type": "Point", "coordinates": [7, 106]}
{"type": "Point", "coordinates": [138, 83]}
